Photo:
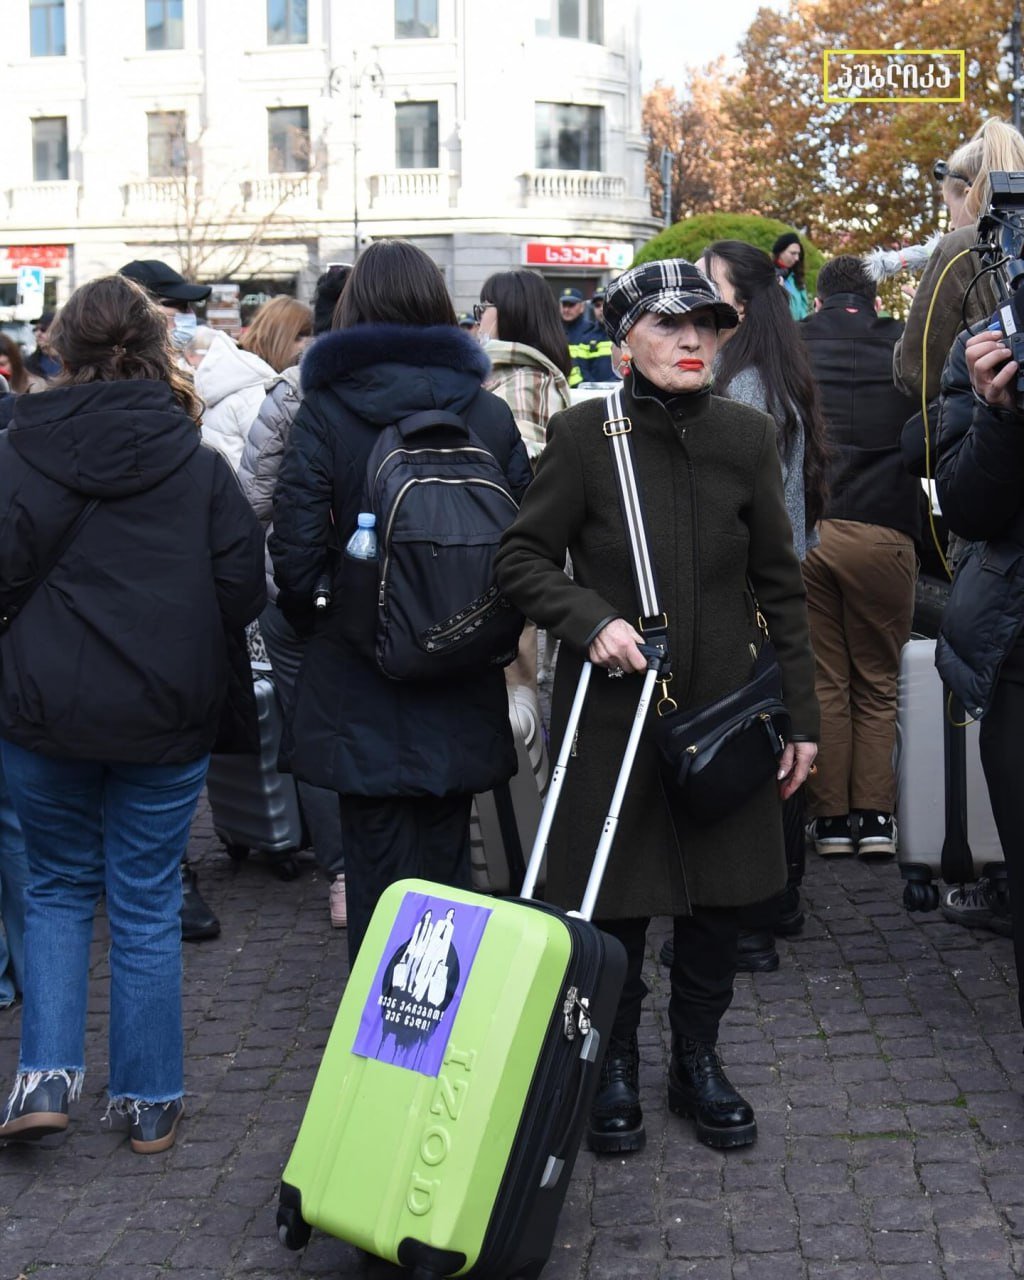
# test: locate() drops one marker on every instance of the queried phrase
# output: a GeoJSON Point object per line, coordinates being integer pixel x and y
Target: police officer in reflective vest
{"type": "Point", "coordinates": [590, 348]}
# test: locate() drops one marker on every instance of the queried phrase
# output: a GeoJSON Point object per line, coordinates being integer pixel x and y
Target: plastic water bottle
{"type": "Point", "coordinates": [363, 543]}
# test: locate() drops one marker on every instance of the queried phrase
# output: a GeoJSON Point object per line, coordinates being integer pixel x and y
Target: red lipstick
{"type": "Point", "coordinates": [689, 366]}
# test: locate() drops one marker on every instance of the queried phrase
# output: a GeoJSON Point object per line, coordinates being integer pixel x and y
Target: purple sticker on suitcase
{"type": "Point", "coordinates": [409, 1014]}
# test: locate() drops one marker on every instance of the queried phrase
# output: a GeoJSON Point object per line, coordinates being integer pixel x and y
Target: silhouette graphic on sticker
{"type": "Point", "coordinates": [411, 1008]}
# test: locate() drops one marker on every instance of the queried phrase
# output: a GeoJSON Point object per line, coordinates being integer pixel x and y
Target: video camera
{"type": "Point", "coordinates": [1001, 246]}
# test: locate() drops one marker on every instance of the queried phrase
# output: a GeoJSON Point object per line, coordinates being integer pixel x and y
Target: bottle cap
{"type": "Point", "coordinates": [366, 520]}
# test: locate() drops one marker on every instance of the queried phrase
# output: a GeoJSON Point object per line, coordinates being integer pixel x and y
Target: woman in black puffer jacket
{"type": "Point", "coordinates": [112, 684]}
{"type": "Point", "coordinates": [405, 756]}
{"type": "Point", "coordinates": [980, 651]}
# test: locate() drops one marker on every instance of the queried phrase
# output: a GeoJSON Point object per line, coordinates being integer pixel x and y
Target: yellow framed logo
{"type": "Point", "coordinates": [894, 75]}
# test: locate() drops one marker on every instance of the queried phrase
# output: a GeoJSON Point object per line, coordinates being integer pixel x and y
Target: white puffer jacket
{"type": "Point", "coordinates": [232, 383]}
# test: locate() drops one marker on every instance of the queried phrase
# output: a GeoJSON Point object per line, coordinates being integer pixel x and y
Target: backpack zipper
{"type": "Point", "coordinates": [437, 638]}
{"type": "Point", "coordinates": [451, 449]}
{"type": "Point", "coordinates": [487, 484]}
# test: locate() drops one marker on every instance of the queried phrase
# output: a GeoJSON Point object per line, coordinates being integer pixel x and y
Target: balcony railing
{"type": "Point", "coordinates": [45, 203]}
{"type": "Point", "coordinates": [571, 184]}
{"type": "Point", "coordinates": [280, 191]}
{"type": "Point", "coordinates": [167, 197]}
{"type": "Point", "coordinates": [413, 186]}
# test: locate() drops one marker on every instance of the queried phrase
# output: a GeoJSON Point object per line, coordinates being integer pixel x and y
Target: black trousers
{"type": "Point", "coordinates": [761, 916]}
{"type": "Point", "coordinates": [391, 838]}
{"type": "Point", "coordinates": [702, 974]}
{"type": "Point", "coordinates": [1000, 739]}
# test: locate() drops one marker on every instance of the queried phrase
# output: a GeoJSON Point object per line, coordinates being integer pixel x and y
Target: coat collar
{"type": "Point", "coordinates": [344, 351]}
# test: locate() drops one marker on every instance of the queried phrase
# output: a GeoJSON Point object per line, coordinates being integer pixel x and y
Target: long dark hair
{"type": "Point", "coordinates": [528, 313]}
{"type": "Point", "coordinates": [768, 340]}
{"type": "Point", "coordinates": [110, 330]}
{"type": "Point", "coordinates": [797, 269]}
{"type": "Point", "coordinates": [394, 282]}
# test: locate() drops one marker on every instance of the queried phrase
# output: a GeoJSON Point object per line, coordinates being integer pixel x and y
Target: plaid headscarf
{"type": "Point", "coordinates": [671, 287]}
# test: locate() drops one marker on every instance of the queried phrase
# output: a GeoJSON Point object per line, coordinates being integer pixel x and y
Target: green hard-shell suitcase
{"type": "Point", "coordinates": [450, 1103]}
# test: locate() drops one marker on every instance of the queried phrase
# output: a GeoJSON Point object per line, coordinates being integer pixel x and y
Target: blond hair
{"type": "Point", "coordinates": [997, 146]}
{"type": "Point", "coordinates": [276, 329]}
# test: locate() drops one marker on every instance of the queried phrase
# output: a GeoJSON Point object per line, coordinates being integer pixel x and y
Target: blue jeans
{"type": "Point", "coordinates": [94, 827]}
{"type": "Point", "coordinates": [13, 880]}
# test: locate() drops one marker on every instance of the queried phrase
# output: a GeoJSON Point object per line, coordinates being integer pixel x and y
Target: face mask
{"type": "Point", "coordinates": [185, 325]}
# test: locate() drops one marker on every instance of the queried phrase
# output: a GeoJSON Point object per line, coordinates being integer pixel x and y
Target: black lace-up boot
{"type": "Point", "coordinates": [616, 1121]}
{"type": "Point", "coordinates": [699, 1087]}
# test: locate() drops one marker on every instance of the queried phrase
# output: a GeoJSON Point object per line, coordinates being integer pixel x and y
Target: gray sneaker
{"type": "Point", "coordinates": [978, 907]}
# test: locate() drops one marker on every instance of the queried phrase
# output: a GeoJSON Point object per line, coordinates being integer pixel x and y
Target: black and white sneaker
{"type": "Point", "coordinates": [832, 837]}
{"type": "Point", "coordinates": [876, 834]}
{"type": "Point", "coordinates": [978, 906]}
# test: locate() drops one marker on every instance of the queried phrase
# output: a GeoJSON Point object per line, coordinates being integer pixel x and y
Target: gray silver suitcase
{"type": "Point", "coordinates": [255, 807]}
{"type": "Point", "coordinates": [504, 822]}
{"type": "Point", "coordinates": [924, 779]}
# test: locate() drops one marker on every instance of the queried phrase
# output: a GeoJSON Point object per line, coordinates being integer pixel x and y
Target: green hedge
{"type": "Point", "coordinates": [691, 236]}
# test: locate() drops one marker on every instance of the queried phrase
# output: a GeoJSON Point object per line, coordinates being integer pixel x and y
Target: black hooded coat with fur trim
{"type": "Point", "coordinates": [354, 730]}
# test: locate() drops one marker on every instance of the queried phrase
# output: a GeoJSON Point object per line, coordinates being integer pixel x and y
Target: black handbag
{"type": "Point", "coordinates": [712, 757]}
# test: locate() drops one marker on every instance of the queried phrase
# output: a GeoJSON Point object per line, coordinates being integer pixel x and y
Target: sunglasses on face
{"type": "Point", "coordinates": [941, 171]}
{"type": "Point", "coordinates": [479, 308]}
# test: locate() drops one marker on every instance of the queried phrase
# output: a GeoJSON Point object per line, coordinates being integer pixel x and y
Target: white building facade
{"type": "Point", "coordinates": [262, 139]}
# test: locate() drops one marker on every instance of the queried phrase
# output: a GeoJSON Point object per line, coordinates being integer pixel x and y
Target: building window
{"type": "Point", "coordinates": [167, 142]}
{"type": "Point", "coordinates": [165, 24]}
{"type": "Point", "coordinates": [572, 20]}
{"type": "Point", "coordinates": [46, 26]}
{"type": "Point", "coordinates": [287, 22]}
{"type": "Point", "coordinates": [416, 135]}
{"type": "Point", "coordinates": [50, 149]}
{"type": "Point", "coordinates": [415, 19]}
{"type": "Point", "coordinates": [289, 139]}
{"type": "Point", "coordinates": [568, 136]}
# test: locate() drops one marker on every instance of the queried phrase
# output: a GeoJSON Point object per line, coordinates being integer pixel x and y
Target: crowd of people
{"type": "Point", "coordinates": [765, 432]}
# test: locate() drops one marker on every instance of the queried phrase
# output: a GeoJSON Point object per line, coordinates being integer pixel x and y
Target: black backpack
{"type": "Point", "coordinates": [442, 503]}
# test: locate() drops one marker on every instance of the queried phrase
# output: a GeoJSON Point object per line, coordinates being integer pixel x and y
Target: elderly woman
{"type": "Point", "coordinates": [709, 476]}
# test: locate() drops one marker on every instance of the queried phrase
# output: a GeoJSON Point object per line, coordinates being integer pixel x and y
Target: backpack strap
{"type": "Point", "coordinates": [427, 420]}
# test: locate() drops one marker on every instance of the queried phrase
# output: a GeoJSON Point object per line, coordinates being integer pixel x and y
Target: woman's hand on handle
{"type": "Point", "coordinates": [794, 766]}
{"type": "Point", "coordinates": [615, 648]}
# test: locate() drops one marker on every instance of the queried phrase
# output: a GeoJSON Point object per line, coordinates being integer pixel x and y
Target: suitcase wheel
{"type": "Point", "coordinates": [292, 1230]}
{"type": "Point", "coordinates": [236, 852]}
{"type": "Point", "coordinates": [920, 897]}
{"type": "Point", "coordinates": [286, 868]}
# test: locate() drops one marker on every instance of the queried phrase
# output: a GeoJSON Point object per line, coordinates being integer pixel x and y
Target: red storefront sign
{"type": "Point", "coordinates": [602, 256]}
{"type": "Point", "coordinates": [51, 256]}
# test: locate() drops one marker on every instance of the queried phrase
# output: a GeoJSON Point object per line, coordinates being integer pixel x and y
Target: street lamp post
{"type": "Point", "coordinates": [666, 186]}
{"type": "Point", "coordinates": [354, 79]}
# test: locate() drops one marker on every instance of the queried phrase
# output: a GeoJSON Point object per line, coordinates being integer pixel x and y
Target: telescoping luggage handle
{"type": "Point", "coordinates": [656, 658]}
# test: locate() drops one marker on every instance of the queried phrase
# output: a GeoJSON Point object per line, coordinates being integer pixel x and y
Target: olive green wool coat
{"type": "Point", "coordinates": [711, 484]}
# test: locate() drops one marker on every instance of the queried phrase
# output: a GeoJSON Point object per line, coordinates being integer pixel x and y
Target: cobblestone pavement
{"type": "Point", "coordinates": [883, 1059]}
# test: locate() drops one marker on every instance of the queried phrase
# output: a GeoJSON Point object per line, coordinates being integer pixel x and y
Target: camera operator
{"type": "Point", "coordinates": [980, 477]}
{"type": "Point", "coordinates": [953, 265]}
